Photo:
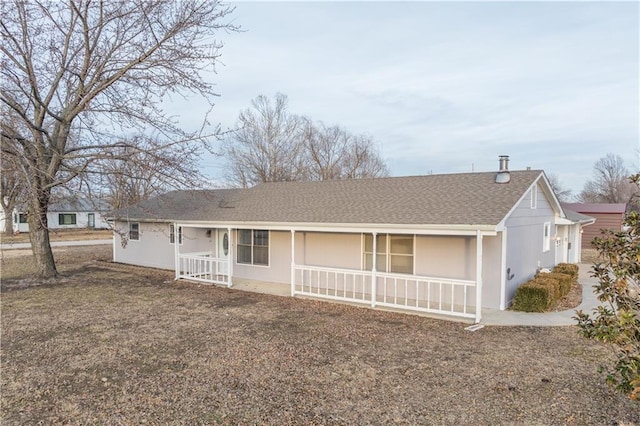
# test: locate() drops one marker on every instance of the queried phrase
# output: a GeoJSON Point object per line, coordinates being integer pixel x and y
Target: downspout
{"type": "Point", "coordinates": [293, 262]}
{"type": "Point", "coordinates": [478, 276]}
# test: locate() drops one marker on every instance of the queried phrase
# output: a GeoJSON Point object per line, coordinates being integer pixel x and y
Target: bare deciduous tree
{"type": "Point", "coordinates": [268, 145]}
{"type": "Point", "coordinates": [610, 183]}
{"type": "Point", "coordinates": [271, 144]}
{"type": "Point", "coordinates": [334, 153]}
{"type": "Point", "coordinates": [97, 70]}
{"type": "Point", "coordinates": [11, 187]}
{"type": "Point", "coordinates": [563, 194]}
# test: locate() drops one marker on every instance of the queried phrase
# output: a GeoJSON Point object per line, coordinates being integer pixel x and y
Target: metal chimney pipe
{"type": "Point", "coordinates": [504, 163]}
{"type": "Point", "coordinates": [503, 175]}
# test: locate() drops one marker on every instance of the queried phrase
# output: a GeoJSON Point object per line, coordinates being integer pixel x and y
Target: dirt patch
{"type": "Point", "coordinates": [571, 301]}
{"type": "Point", "coordinates": [111, 344]}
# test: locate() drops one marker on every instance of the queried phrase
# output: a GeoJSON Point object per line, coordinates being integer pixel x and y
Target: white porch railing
{"type": "Point", "coordinates": [427, 294]}
{"type": "Point", "coordinates": [399, 291]}
{"type": "Point", "coordinates": [329, 283]}
{"type": "Point", "coordinates": [202, 267]}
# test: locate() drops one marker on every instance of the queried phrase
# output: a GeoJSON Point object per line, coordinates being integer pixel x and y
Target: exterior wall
{"type": "Point", "coordinates": [82, 220]}
{"type": "Point", "coordinates": [525, 237]}
{"type": "Point", "coordinates": [455, 257]}
{"type": "Point", "coordinates": [279, 269]}
{"type": "Point", "coordinates": [329, 250]}
{"type": "Point", "coordinates": [491, 271]}
{"type": "Point", "coordinates": [154, 248]}
{"type": "Point", "coordinates": [603, 221]}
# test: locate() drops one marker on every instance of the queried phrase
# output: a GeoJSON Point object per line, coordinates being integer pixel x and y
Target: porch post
{"type": "Point", "coordinates": [293, 262]}
{"type": "Point", "coordinates": [503, 273]}
{"type": "Point", "coordinates": [478, 276]}
{"type": "Point", "coordinates": [230, 258]}
{"type": "Point", "coordinates": [374, 278]}
{"type": "Point", "coordinates": [176, 250]}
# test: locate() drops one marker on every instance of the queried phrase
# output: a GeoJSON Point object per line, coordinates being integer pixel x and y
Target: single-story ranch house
{"type": "Point", "coordinates": [64, 213]}
{"type": "Point", "coordinates": [446, 244]}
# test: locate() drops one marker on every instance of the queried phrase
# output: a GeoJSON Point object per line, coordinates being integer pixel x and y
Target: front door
{"type": "Point", "coordinates": [223, 250]}
{"type": "Point", "coordinates": [91, 218]}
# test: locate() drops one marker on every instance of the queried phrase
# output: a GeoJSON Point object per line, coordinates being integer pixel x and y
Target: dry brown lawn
{"type": "Point", "coordinates": [112, 344]}
{"type": "Point", "coordinates": [60, 235]}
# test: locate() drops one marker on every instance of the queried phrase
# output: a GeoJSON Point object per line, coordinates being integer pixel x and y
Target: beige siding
{"type": "Point", "coordinates": [279, 269]}
{"type": "Point", "coordinates": [329, 250]}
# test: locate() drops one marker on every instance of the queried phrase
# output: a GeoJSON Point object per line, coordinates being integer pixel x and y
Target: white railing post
{"type": "Point", "coordinates": [293, 262]}
{"type": "Point", "coordinates": [230, 258]}
{"type": "Point", "coordinates": [176, 250]}
{"type": "Point", "coordinates": [478, 276]}
{"type": "Point", "coordinates": [374, 278]}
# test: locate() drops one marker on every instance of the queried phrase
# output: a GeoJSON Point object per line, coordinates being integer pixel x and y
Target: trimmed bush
{"type": "Point", "coordinates": [553, 284]}
{"type": "Point", "coordinates": [533, 296]}
{"type": "Point", "coordinates": [567, 268]}
{"type": "Point", "coordinates": [564, 282]}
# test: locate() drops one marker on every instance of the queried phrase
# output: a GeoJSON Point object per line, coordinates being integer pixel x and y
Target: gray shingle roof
{"type": "Point", "coordinates": [451, 199]}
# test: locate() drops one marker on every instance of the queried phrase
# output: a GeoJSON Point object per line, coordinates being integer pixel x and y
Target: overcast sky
{"type": "Point", "coordinates": [446, 86]}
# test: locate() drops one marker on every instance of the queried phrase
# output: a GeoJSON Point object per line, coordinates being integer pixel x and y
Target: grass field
{"type": "Point", "coordinates": [60, 235]}
{"type": "Point", "coordinates": [113, 344]}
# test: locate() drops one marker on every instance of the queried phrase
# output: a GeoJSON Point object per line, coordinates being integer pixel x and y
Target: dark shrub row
{"type": "Point", "coordinates": [538, 294]}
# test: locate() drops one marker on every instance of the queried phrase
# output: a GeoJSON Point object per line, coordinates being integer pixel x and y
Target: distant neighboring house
{"type": "Point", "coordinates": [65, 213]}
{"type": "Point", "coordinates": [446, 244]}
{"type": "Point", "coordinates": [608, 216]}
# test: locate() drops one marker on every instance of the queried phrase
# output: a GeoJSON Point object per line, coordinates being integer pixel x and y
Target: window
{"type": "Point", "coordinates": [394, 253]}
{"type": "Point", "coordinates": [22, 218]}
{"type": "Point", "coordinates": [534, 197]}
{"type": "Point", "coordinates": [134, 231]}
{"type": "Point", "coordinates": [67, 219]}
{"type": "Point", "coordinates": [172, 234]}
{"type": "Point", "coordinates": [546, 237]}
{"type": "Point", "coordinates": [253, 247]}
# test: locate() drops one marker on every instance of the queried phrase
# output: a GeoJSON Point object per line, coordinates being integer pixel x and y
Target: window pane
{"type": "Point", "coordinates": [261, 238]}
{"type": "Point", "coordinates": [401, 244]}
{"type": "Point", "coordinates": [381, 263]}
{"type": "Point", "coordinates": [244, 236]}
{"type": "Point", "coordinates": [381, 244]}
{"type": "Point", "coordinates": [172, 236]}
{"type": "Point", "coordinates": [368, 260]}
{"type": "Point", "coordinates": [368, 243]}
{"type": "Point", "coordinates": [134, 231]}
{"type": "Point", "coordinates": [244, 254]}
{"type": "Point", "coordinates": [260, 255]}
{"type": "Point", "coordinates": [402, 264]}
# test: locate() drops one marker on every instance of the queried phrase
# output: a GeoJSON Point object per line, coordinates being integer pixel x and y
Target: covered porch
{"type": "Point", "coordinates": [373, 281]}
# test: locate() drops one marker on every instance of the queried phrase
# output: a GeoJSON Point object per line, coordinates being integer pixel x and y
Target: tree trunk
{"type": "Point", "coordinates": [8, 221]}
{"type": "Point", "coordinates": [39, 236]}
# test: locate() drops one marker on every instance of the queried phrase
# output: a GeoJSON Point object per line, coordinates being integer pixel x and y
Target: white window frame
{"type": "Point", "coordinates": [387, 254]}
{"type": "Point", "coordinates": [72, 215]}
{"type": "Point", "coordinates": [172, 236]}
{"type": "Point", "coordinates": [534, 196]}
{"type": "Point", "coordinates": [130, 230]}
{"type": "Point", "coordinates": [252, 246]}
{"type": "Point", "coordinates": [546, 237]}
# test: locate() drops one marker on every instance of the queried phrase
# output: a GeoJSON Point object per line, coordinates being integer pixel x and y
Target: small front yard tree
{"type": "Point", "coordinates": [617, 321]}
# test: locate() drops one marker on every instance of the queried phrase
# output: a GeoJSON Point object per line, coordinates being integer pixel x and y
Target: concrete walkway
{"type": "Point", "coordinates": [16, 246]}
{"type": "Point", "coordinates": [589, 302]}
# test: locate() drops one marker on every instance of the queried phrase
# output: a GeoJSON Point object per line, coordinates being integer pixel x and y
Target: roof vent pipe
{"type": "Point", "coordinates": [503, 175]}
